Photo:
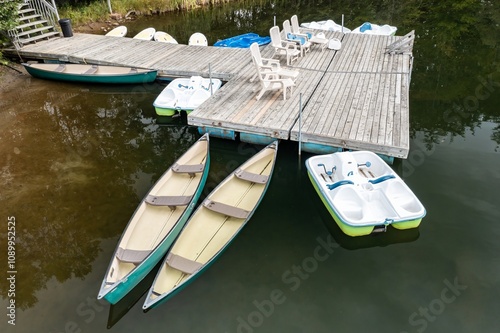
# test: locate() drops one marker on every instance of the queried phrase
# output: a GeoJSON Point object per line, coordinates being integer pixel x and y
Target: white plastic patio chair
{"type": "Point", "coordinates": [270, 80]}
{"type": "Point", "coordinates": [284, 48]}
{"type": "Point", "coordinates": [296, 29]}
{"type": "Point", "coordinates": [269, 65]}
{"type": "Point", "coordinates": [301, 39]}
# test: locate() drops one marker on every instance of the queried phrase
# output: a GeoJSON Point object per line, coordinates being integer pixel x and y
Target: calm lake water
{"type": "Point", "coordinates": [76, 161]}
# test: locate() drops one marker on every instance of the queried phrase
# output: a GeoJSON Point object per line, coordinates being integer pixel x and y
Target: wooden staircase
{"type": "Point", "coordinates": [32, 27]}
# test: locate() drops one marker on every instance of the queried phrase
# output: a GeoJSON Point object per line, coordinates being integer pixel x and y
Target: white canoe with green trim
{"type": "Point", "coordinates": [157, 221]}
{"type": "Point", "coordinates": [362, 193]}
{"type": "Point", "coordinates": [214, 225]}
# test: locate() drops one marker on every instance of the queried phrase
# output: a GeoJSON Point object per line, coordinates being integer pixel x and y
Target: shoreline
{"type": "Point", "coordinates": [11, 75]}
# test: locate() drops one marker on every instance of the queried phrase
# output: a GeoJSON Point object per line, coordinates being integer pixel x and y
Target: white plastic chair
{"type": "Point", "coordinates": [269, 65]}
{"type": "Point", "coordinates": [296, 28]}
{"type": "Point", "coordinates": [270, 80]}
{"type": "Point", "coordinates": [282, 47]}
{"type": "Point", "coordinates": [301, 39]}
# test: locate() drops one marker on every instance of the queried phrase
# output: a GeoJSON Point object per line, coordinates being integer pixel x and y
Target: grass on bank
{"type": "Point", "coordinates": [98, 10]}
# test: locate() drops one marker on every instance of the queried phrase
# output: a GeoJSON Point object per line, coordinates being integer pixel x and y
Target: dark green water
{"type": "Point", "coordinates": [76, 160]}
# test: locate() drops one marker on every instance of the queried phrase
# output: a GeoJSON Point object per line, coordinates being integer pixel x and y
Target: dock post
{"type": "Point", "coordinates": [300, 124]}
{"type": "Point", "coordinates": [342, 23]}
{"type": "Point", "coordinates": [210, 77]}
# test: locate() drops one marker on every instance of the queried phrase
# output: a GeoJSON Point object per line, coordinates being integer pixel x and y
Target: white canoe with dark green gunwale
{"type": "Point", "coordinates": [157, 221]}
{"type": "Point", "coordinates": [91, 73]}
{"type": "Point", "coordinates": [214, 225]}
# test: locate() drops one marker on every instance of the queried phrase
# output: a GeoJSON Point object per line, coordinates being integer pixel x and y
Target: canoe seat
{"type": "Point", "coordinates": [132, 256]}
{"type": "Point", "coordinates": [60, 68]}
{"type": "Point", "coordinates": [92, 70]}
{"type": "Point", "coordinates": [191, 169]}
{"type": "Point", "coordinates": [227, 210]}
{"type": "Point", "coordinates": [251, 177]}
{"type": "Point", "coordinates": [171, 201]}
{"type": "Point", "coordinates": [183, 264]}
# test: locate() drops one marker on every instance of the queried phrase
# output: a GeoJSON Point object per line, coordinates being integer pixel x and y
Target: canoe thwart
{"type": "Point", "coordinates": [168, 200]}
{"type": "Point", "coordinates": [191, 169]}
{"type": "Point", "coordinates": [251, 177]}
{"type": "Point", "coordinates": [227, 210]}
{"type": "Point", "coordinates": [183, 264]}
{"type": "Point", "coordinates": [60, 68]}
{"type": "Point", "coordinates": [132, 256]}
{"type": "Point", "coordinates": [92, 69]}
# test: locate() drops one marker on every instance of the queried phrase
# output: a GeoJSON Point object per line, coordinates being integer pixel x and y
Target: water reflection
{"type": "Point", "coordinates": [77, 162]}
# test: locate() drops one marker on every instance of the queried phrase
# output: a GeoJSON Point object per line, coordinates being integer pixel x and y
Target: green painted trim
{"type": "Point", "coordinates": [165, 112]}
{"type": "Point", "coordinates": [407, 224]}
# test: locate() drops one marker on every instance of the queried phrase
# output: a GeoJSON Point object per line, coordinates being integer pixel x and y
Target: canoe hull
{"type": "Point", "coordinates": [114, 291]}
{"type": "Point", "coordinates": [187, 282]}
{"type": "Point", "coordinates": [211, 230]}
{"type": "Point", "coordinates": [142, 76]}
{"type": "Point", "coordinates": [361, 204]}
{"type": "Point", "coordinates": [124, 286]}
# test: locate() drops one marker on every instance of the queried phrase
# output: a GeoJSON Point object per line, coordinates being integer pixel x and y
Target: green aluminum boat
{"type": "Point", "coordinates": [157, 221]}
{"type": "Point", "coordinates": [90, 73]}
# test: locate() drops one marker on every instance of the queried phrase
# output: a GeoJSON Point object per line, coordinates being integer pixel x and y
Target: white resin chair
{"type": "Point", "coordinates": [297, 30]}
{"type": "Point", "coordinates": [281, 47]}
{"type": "Point", "coordinates": [269, 65]}
{"type": "Point", "coordinates": [301, 39]}
{"type": "Point", "coordinates": [270, 80]}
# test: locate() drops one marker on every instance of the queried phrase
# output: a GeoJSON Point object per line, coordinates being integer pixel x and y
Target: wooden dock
{"type": "Point", "coordinates": [354, 98]}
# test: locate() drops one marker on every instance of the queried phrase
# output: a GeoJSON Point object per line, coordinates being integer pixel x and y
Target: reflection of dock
{"type": "Point", "coordinates": [355, 98]}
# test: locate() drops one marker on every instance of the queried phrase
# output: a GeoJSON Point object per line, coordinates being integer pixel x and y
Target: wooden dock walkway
{"type": "Point", "coordinates": [354, 98]}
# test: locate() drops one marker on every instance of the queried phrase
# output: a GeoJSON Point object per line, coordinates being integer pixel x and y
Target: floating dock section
{"type": "Point", "coordinates": [354, 98]}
